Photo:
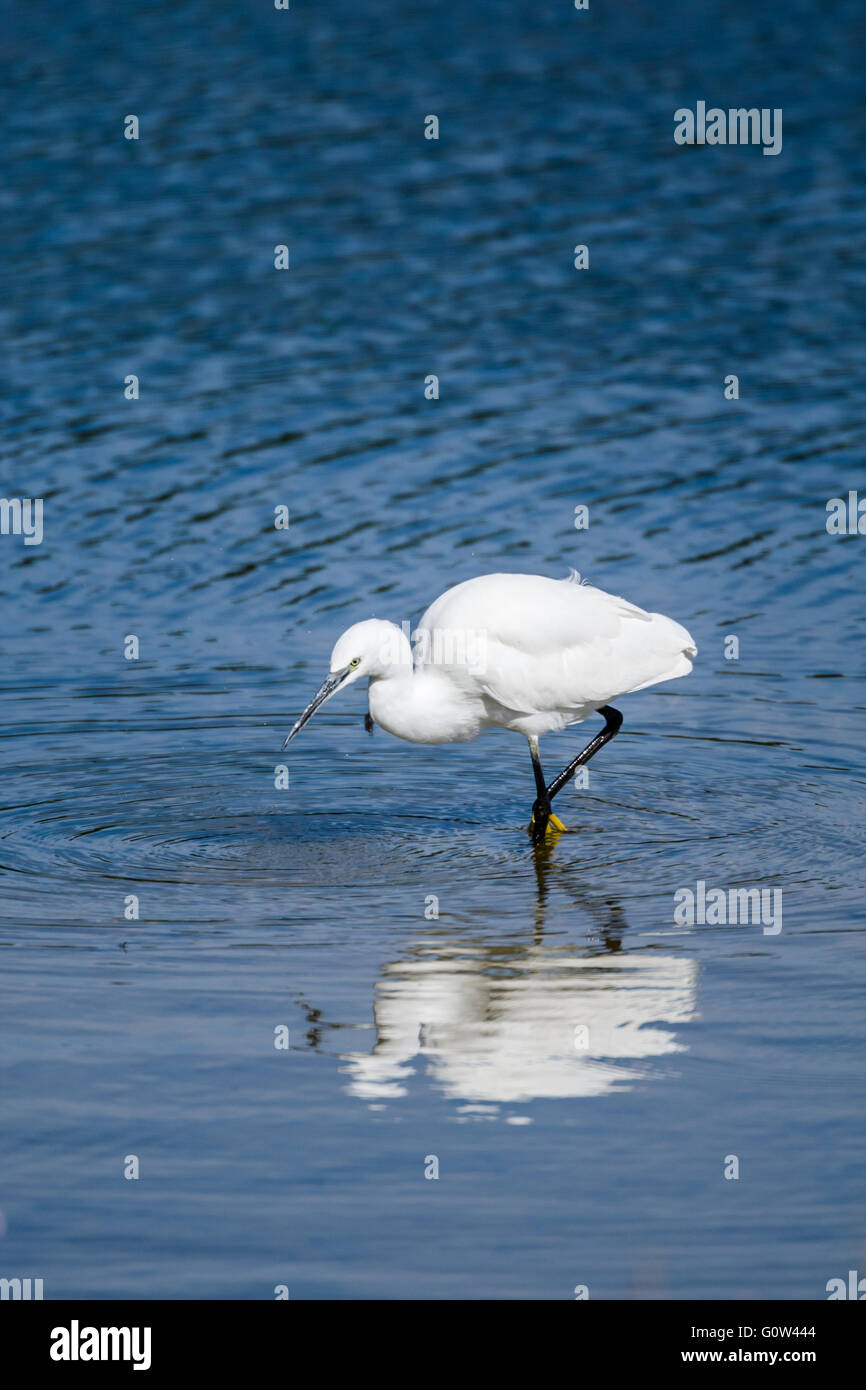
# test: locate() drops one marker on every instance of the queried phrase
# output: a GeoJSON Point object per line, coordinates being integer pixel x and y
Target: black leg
{"type": "Point", "coordinates": [613, 721]}
{"type": "Point", "coordinates": [541, 809]}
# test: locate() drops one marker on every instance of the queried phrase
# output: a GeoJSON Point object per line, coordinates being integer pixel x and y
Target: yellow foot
{"type": "Point", "coordinates": [554, 823]}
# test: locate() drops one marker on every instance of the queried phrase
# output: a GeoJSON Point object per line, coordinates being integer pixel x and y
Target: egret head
{"type": "Point", "coordinates": [368, 649]}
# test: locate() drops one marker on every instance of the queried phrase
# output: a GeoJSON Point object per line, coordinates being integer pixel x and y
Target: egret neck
{"type": "Point", "coordinates": [420, 704]}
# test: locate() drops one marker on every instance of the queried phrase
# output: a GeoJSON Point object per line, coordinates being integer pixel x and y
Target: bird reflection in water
{"type": "Point", "coordinates": [500, 1023]}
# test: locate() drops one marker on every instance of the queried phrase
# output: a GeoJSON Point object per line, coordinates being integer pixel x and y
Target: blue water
{"type": "Point", "coordinates": [600, 1164]}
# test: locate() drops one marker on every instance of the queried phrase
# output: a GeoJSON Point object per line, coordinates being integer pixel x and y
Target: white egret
{"type": "Point", "coordinates": [509, 651]}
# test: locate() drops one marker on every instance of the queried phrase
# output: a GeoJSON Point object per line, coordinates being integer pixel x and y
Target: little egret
{"type": "Point", "coordinates": [509, 651]}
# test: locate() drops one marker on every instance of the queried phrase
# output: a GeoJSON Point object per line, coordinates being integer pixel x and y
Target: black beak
{"type": "Point", "coordinates": [331, 684]}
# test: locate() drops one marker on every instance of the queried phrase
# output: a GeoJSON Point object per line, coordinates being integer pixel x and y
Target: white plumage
{"type": "Point", "coordinates": [557, 649]}
{"type": "Point", "coordinates": [511, 651]}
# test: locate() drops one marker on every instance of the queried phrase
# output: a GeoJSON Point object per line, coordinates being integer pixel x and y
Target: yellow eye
{"type": "Point", "coordinates": [356, 661]}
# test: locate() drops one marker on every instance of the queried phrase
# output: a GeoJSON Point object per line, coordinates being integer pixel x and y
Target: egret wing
{"type": "Point", "coordinates": [530, 643]}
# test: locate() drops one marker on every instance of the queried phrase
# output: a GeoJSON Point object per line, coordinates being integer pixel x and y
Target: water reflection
{"type": "Point", "coordinates": [508, 1021]}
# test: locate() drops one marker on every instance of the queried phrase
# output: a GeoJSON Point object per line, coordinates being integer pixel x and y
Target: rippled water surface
{"type": "Point", "coordinates": [582, 1066]}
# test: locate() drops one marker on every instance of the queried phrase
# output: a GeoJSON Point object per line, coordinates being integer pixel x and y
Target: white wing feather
{"type": "Point", "coordinates": [548, 644]}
